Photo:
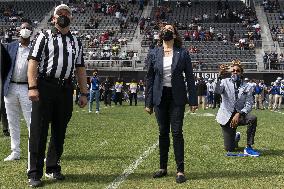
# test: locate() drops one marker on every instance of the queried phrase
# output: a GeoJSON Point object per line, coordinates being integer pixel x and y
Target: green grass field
{"type": "Point", "coordinates": [98, 148]}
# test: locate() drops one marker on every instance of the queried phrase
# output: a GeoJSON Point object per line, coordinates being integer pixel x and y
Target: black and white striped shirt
{"type": "Point", "coordinates": [57, 54]}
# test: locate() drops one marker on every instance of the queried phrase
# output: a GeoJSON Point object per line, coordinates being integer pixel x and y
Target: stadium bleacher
{"type": "Point", "coordinates": [189, 18]}
{"type": "Point", "coordinates": [13, 12]}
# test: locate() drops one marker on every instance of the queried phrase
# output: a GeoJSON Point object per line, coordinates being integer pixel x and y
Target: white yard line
{"type": "Point", "coordinates": [131, 168]}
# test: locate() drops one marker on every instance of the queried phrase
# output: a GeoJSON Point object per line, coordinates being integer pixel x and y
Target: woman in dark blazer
{"type": "Point", "coordinates": [166, 93]}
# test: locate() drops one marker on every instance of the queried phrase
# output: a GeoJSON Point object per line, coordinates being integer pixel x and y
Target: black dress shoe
{"type": "Point", "coordinates": [160, 173]}
{"type": "Point", "coordinates": [180, 179]}
{"type": "Point", "coordinates": [34, 183]}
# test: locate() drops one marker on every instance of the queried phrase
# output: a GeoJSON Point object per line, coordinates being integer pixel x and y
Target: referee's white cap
{"type": "Point", "coordinates": [60, 7]}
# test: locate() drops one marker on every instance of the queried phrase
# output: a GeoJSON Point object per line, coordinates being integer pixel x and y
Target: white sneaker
{"type": "Point", "coordinates": [97, 112]}
{"type": "Point", "coordinates": [12, 157]}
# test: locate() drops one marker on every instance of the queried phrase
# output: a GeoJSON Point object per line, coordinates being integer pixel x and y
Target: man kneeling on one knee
{"type": "Point", "coordinates": [237, 102]}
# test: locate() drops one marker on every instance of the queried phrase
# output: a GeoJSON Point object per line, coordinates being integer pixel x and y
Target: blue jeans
{"type": "Point", "coordinates": [94, 94]}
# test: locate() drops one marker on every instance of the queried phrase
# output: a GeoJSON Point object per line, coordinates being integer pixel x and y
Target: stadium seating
{"type": "Point", "coordinates": [211, 50]}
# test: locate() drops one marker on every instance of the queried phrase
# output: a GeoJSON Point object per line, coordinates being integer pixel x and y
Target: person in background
{"type": "Point", "coordinates": [277, 96]}
{"type": "Point", "coordinates": [133, 87]}
{"type": "Point", "coordinates": [237, 103]}
{"type": "Point", "coordinates": [166, 93]}
{"type": "Point", "coordinates": [258, 89]}
{"type": "Point", "coordinates": [16, 88]}
{"type": "Point", "coordinates": [94, 92]}
{"type": "Point", "coordinates": [118, 91]}
{"type": "Point", "coordinates": [201, 89]}
{"type": "Point", "coordinates": [210, 88]}
{"type": "Point", "coordinates": [271, 94]}
{"type": "Point", "coordinates": [107, 85]}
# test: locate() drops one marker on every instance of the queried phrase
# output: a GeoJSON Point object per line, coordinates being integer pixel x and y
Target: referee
{"type": "Point", "coordinates": [53, 58]}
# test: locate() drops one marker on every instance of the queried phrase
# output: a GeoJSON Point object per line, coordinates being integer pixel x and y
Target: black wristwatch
{"type": "Point", "coordinates": [243, 113]}
{"type": "Point", "coordinates": [85, 94]}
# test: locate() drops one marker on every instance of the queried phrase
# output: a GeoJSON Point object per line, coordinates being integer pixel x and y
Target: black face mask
{"type": "Point", "coordinates": [63, 21]}
{"type": "Point", "coordinates": [167, 35]}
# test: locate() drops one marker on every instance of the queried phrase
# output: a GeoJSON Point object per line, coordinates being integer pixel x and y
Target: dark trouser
{"type": "Point", "coordinates": [230, 133]}
{"type": "Point", "coordinates": [170, 116]}
{"type": "Point", "coordinates": [107, 97]}
{"type": "Point", "coordinates": [3, 116]}
{"type": "Point", "coordinates": [54, 106]}
{"type": "Point", "coordinates": [118, 98]}
{"type": "Point", "coordinates": [210, 97]}
{"type": "Point", "coordinates": [217, 100]}
{"type": "Point", "coordinates": [131, 96]}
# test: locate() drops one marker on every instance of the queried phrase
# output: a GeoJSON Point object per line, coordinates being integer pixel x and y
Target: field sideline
{"type": "Point", "coordinates": [98, 148]}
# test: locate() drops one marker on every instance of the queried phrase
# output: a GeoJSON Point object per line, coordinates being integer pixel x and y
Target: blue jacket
{"type": "Point", "coordinates": [12, 49]}
{"type": "Point", "coordinates": [258, 89]}
{"type": "Point", "coordinates": [95, 83]}
{"type": "Point", "coordinates": [181, 63]}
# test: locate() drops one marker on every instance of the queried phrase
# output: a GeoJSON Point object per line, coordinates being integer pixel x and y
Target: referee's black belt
{"type": "Point", "coordinates": [57, 81]}
{"type": "Point", "coordinates": [19, 82]}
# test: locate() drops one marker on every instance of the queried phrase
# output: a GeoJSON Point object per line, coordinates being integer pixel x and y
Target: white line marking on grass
{"type": "Point", "coordinates": [120, 179]}
{"type": "Point", "coordinates": [132, 167]}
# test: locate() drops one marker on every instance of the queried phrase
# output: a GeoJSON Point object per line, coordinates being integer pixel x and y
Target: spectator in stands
{"type": "Point", "coordinates": [141, 5]}
{"type": "Point", "coordinates": [115, 49]}
{"type": "Point", "coordinates": [178, 4]}
{"type": "Point", "coordinates": [8, 35]}
{"type": "Point", "coordinates": [186, 35]}
{"type": "Point", "coordinates": [166, 93]}
{"type": "Point", "coordinates": [219, 36]}
{"type": "Point", "coordinates": [189, 3]}
{"type": "Point", "coordinates": [142, 25]}
{"type": "Point", "coordinates": [224, 39]}
{"type": "Point", "coordinates": [281, 58]}
{"type": "Point", "coordinates": [242, 42]}
{"type": "Point", "coordinates": [237, 102]}
{"type": "Point", "coordinates": [123, 55]}
{"type": "Point", "coordinates": [251, 45]}
{"type": "Point", "coordinates": [231, 34]}
{"type": "Point", "coordinates": [205, 17]}
{"type": "Point", "coordinates": [265, 58]}
{"type": "Point", "coordinates": [211, 32]}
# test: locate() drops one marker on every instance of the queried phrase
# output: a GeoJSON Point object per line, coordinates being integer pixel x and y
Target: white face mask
{"type": "Point", "coordinates": [25, 33]}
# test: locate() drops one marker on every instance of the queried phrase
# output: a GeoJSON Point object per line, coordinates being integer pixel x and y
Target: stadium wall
{"type": "Point", "coordinates": [140, 75]}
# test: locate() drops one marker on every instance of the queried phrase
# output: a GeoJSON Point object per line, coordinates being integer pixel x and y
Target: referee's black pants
{"type": "Point", "coordinates": [55, 106]}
